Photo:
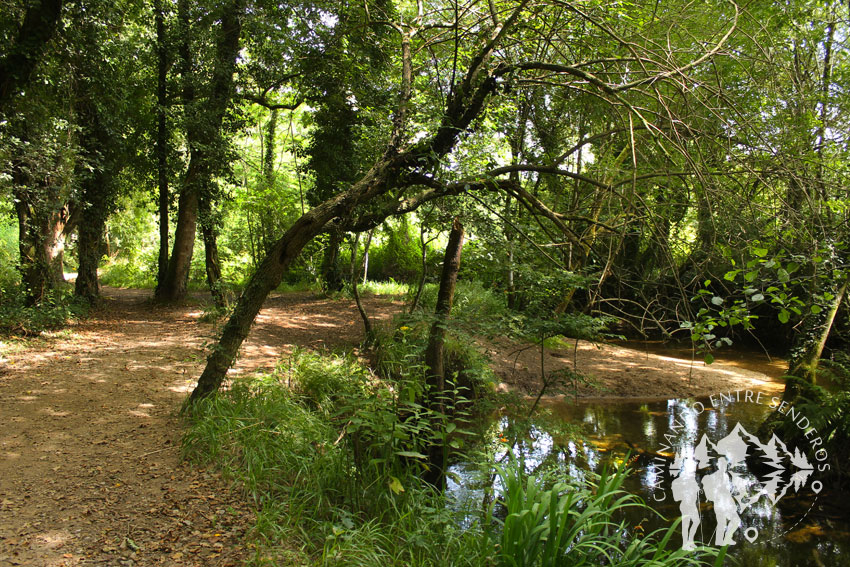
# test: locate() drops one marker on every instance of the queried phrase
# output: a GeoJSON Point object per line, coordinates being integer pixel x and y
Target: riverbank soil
{"type": "Point", "coordinates": [617, 371]}
{"type": "Point", "coordinates": [90, 466]}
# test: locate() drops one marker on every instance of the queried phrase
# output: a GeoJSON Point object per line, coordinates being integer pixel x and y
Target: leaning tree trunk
{"type": "Point", "coordinates": [270, 272]}
{"type": "Point", "coordinates": [467, 102]}
{"type": "Point", "coordinates": [434, 352]}
{"type": "Point", "coordinates": [806, 354]}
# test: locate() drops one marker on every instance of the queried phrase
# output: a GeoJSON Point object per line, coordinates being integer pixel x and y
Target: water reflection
{"type": "Point", "coordinates": [798, 531]}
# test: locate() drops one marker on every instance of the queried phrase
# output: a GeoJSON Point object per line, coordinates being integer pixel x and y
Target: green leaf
{"type": "Point", "coordinates": [395, 485]}
{"type": "Point", "coordinates": [717, 300]}
{"type": "Point", "coordinates": [783, 275]}
{"type": "Point", "coordinates": [784, 316]}
{"type": "Point", "coordinates": [411, 454]}
{"type": "Point", "coordinates": [731, 275]}
{"type": "Point", "coordinates": [815, 309]}
{"type": "Point", "coordinates": [450, 427]}
{"type": "Point", "coordinates": [751, 276]}
{"type": "Point", "coordinates": [760, 252]}
{"type": "Point", "coordinates": [757, 297]}
{"type": "Point", "coordinates": [708, 358]}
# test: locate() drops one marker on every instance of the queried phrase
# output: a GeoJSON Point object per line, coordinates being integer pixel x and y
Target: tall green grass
{"type": "Point", "coordinates": [578, 526]}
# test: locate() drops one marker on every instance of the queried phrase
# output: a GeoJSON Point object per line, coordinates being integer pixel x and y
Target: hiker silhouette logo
{"type": "Point", "coordinates": [726, 477]}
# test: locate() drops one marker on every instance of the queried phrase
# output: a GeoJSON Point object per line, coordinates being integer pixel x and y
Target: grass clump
{"type": "Point", "coordinates": [576, 526]}
{"type": "Point", "coordinates": [329, 458]}
{"type": "Point", "coordinates": [389, 287]}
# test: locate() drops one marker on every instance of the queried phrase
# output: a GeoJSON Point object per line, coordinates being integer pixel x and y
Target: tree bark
{"type": "Point", "coordinates": [434, 353]}
{"type": "Point", "coordinates": [102, 153]}
{"type": "Point", "coordinates": [211, 259]}
{"type": "Point", "coordinates": [89, 252]}
{"type": "Point", "coordinates": [162, 139]}
{"type": "Point", "coordinates": [436, 378]}
{"type": "Point", "coordinates": [356, 268]}
{"type": "Point", "coordinates": [42, 220]}
{"type": "Point", "coordinates": [806, 356]}
{"type": "Point", "coordinates": [424, 257]}
{"type": "Point", "coordinates": [330, 270]}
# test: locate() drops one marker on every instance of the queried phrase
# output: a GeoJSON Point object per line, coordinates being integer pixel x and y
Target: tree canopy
{"type": "Point", "coordinates": [679, 166]}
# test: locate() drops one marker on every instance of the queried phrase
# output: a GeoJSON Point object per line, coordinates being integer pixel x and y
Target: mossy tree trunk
{"type": "Point", "coordinates": [805, 356]}
{"type": "Point", "coordinates": [435, 351]}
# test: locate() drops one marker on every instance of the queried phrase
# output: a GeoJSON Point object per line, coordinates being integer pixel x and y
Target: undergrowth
{"type": "Point", "coordinates": [330, 456]}
{"type": "Point", "coordinates": [54, 311]}
{"type": "Point", "coordinates": [828, 411]}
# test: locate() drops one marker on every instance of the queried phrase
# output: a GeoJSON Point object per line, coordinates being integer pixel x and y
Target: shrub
{"type": "Point", "coordinates": [329, 462]}
{"type": "Point", "coordinates": [54, 311]}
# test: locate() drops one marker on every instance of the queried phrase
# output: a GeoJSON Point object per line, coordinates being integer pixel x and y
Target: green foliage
{"type": "Point", "coordinates": [476, 309]}
{"type": "Point", "coordinates": [390, 287]}
{"type": "Point", "coordinates": [792, 286]}
{"type": "Point", "coordinates": [9, 276]}
{"type": "Point", "coordinates": [129, 273]}
{"type": "Point", "coordinates": [327, 453]}
{"type": "Point", "coordinates": [398, 256]}
{"type": "Point", "coordinates": [829, 415]}
{"type": "Point", "coordinates": [54, 311]}
{"type": "Point", "coordinates": [401, 349]}
{"type": "Point", "coordinates": [330, 462]}
{"type": "Point", "coordinates": [578, 525]}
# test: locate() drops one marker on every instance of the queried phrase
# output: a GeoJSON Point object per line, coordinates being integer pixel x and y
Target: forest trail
{"type": "Point", "coordinates": [90, 468]}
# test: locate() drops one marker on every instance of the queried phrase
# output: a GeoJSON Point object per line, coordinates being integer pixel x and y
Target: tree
{"type": "Point", "coordinates": [23, 53]}
{"type": "Point", "coordinates": [205, 105]}
{"type": "Point", "coordinates": [480, 66]}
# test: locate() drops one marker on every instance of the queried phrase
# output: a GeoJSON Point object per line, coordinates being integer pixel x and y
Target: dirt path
{"type": "Point", "coordinates": [90, 471]}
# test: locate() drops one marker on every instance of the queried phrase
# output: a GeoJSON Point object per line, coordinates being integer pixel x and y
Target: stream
{"type": "Point", "coordinates": [787, 519]}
